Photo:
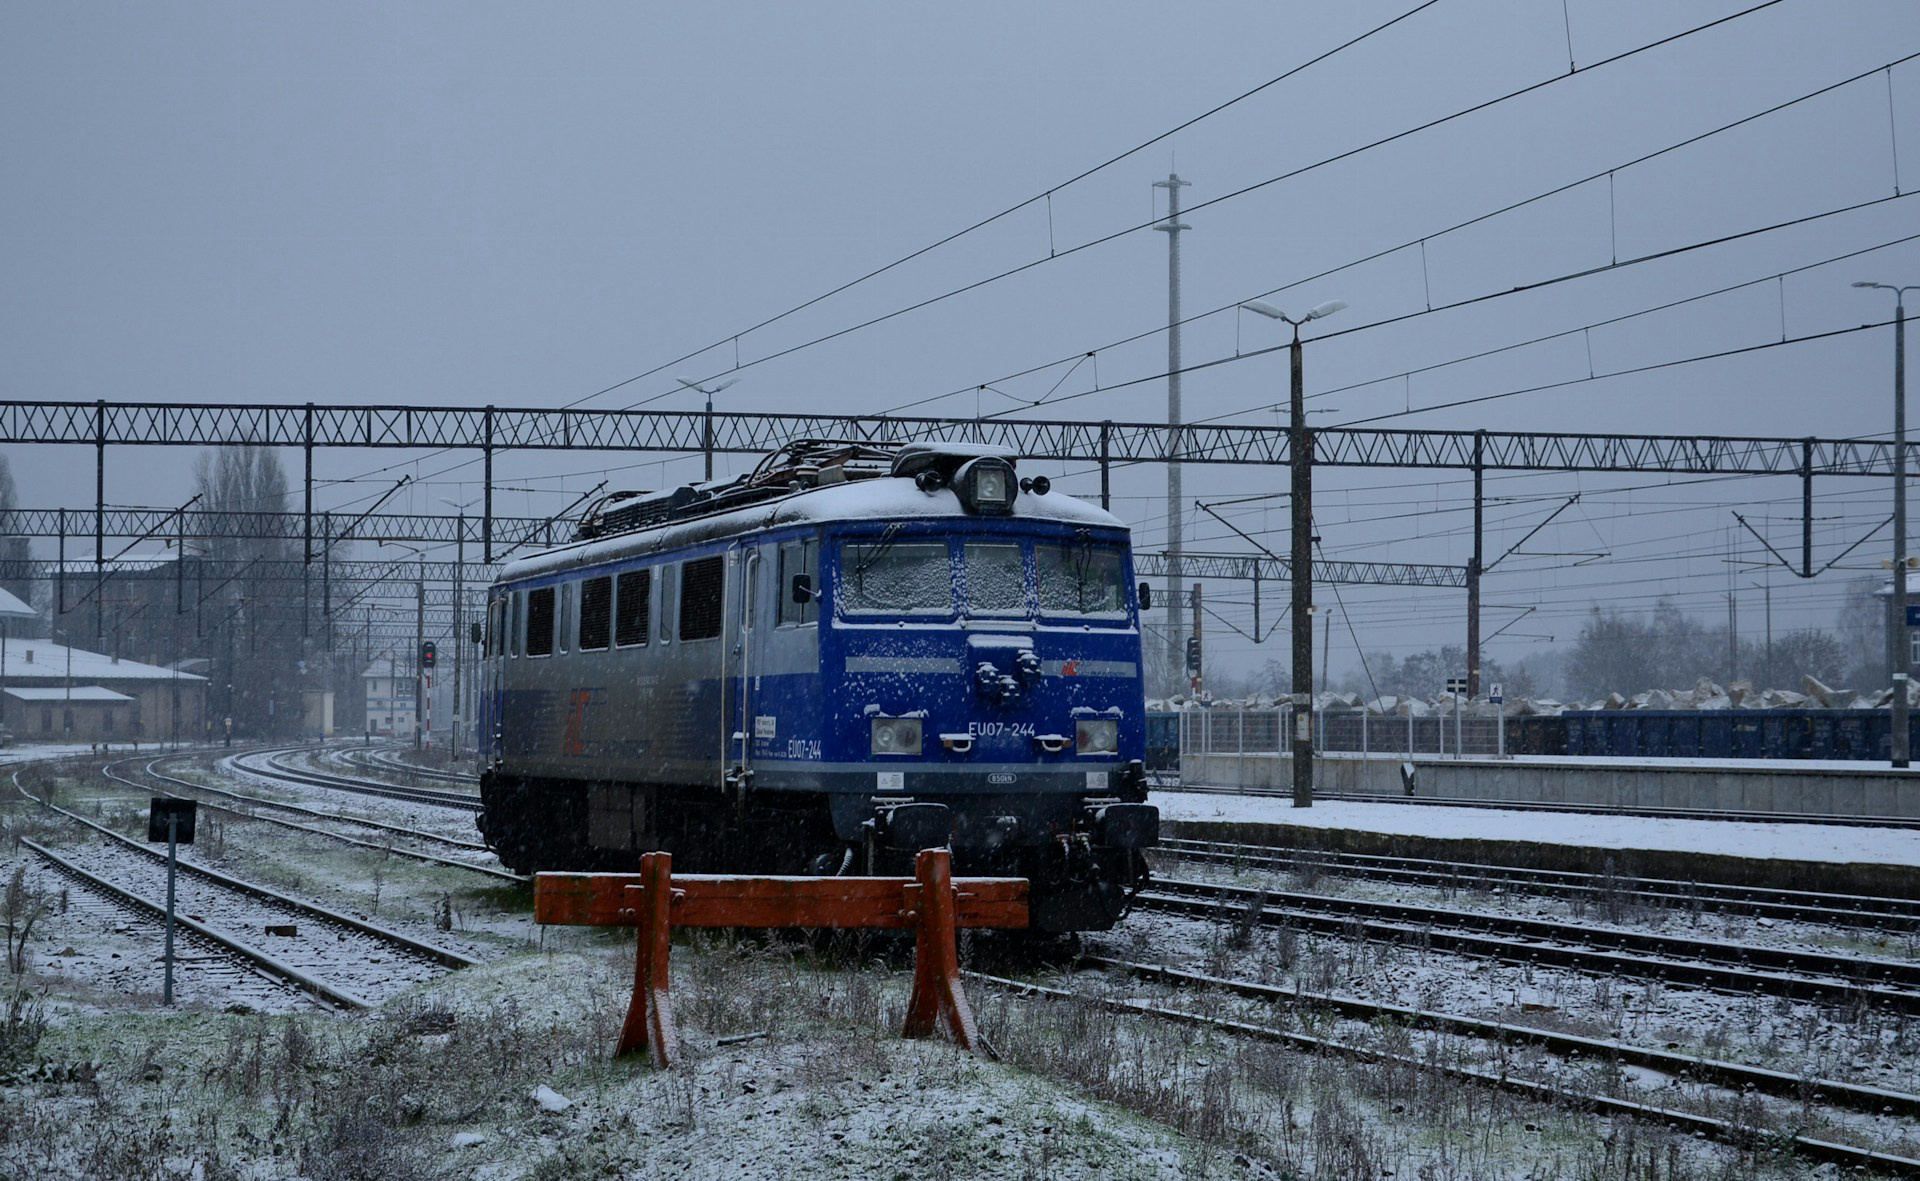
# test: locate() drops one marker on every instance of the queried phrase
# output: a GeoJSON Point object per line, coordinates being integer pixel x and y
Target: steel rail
{"type": "Point", "coordinates": [1718, 1071]}
{"type": "Point", "coordinates": [319, 989]}
{"type": "Point", "coordinates": [1762, 901]}
{"type": "Point", "coordinates": [408, 943]}
{"type": "Point", "coordinates": [376, 760]}
{"type": "Point", "coordinates": [398, 830]}
{"type": "Point", "coordinates": [275, 770]}
{"type": "Point", "coordinates": [1632, 955]}
{"type": "Point", "coordinates": [1721, 1130]}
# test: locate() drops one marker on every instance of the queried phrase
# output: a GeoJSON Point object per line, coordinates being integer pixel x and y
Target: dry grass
{"type": "Point", "coordinates": [220, 1097]}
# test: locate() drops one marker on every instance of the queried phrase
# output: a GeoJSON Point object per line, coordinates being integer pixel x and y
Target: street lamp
{"type": "Point", "coordinates": [706, 425]}
{"type": "Point", "coordinates": [1899, 647]}
{"type": "Point", "coordinates": [1300, 459]}
{"type": "Point", "coordinates": [459, 568]}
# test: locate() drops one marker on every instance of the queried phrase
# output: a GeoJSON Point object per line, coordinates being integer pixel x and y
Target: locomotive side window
{"type": "Point", "coordinates": [702, 591]}
{"type": "Point", "coordinates": [630, 628]}
{"type": "Point", "coordinates": [540, 622]}
{"type": "Point", "coordinates": [563, 617]}
{"type": "Point", "coordinates": [513, 625]}
{"type": "Point", "coordinates": [596, 613]}
{"type": "Point", "coordinates": [1080, 579]}
{"type": "Point", "coordinates": [891, 578]}
{"type": "Point", "coordinates": [663, 590]}
{"type": "Point", "coordinates": [996, 578]}
{"type": "Point", "coordinates": [799, 559]}
{"type": "Point", "coordinates": [496, 627]}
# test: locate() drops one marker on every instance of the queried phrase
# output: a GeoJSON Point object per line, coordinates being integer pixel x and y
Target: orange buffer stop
{"type": "Point", "coordinates": [932, 903]}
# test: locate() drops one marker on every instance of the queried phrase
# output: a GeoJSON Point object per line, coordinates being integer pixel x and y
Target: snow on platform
{"type": "Point", "coordinates": [1764, 840]}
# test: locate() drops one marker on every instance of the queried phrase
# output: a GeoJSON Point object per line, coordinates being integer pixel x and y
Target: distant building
{"type": "Point", "coordinates": [50, 693]}
{"type": "Point", "coordinates": [1885, 594]}
{"type": "Point", "coordinates": [316, 712]}
{"type": "Point", "coordinates": [392, 687]}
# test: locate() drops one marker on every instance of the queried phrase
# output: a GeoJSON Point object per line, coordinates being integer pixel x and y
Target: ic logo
{"type": "Point", "coordinates": [1002, 778]}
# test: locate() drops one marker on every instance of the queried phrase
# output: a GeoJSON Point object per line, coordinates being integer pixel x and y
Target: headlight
{"type": "Point", "coordinates": [1098, 737]}
{"type": "Point", "coordinates": [896, 736]}
{"type": "Point", "coordinates": [986, 486]}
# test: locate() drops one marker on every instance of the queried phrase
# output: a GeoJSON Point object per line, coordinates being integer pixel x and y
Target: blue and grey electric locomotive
{"type": "Point", "coordinates": [851, 654]}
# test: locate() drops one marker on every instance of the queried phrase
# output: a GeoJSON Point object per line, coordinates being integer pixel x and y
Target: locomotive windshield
{"type": "Point", "coordinates": [1081, 579]}
{"type": "Point", "coordinates": [896, 578]}
{"type": "Point", "coordinates": [996, 578]}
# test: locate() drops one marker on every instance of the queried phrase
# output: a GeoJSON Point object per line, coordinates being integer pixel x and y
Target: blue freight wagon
{"type": "Point", "coordinates": [1784, 734]}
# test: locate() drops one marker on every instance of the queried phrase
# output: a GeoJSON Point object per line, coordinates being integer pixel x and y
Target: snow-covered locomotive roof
{"type": "Point", "coordinates": [883, 499]}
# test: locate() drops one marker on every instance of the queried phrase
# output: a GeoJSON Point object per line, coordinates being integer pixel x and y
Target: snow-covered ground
{"type": "Point", "coordinates": [447, 1081]}
{"type": "Point", "coordinates": [1730, 838]}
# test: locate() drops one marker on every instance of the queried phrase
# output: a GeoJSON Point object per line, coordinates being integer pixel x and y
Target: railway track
{"type": "Point", "coordinates": [1536, 806]}
{"type": "Point", "coordinates": [351, 963]}
{"type": "Point", "coordinates": [178, 786]}
{"type": "Point", "coordinates": [1844, 910]}
{"type": "Point", "coordinates": [218, 974]}
{"type": "Point", "coordinates": [1558, 1088]}
{"type": "Point", "coordinates": [1733, 967]}
{"type": "Point", "coordinates": [276, 765]}
{"type": "Point", "coordinates": [383, 761]}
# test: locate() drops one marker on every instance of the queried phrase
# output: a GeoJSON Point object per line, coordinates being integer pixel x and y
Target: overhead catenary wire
{"type": "Point", "coordinates": [1570, 276]}
{"type": "Point", "coordinates": [1557, 190]}
{"type": "Point", "coordinates": [1045, 195]}
{"type": "Point", "coordinates": [1587, 272]}
{"type": "Point", "coordinates": [1438, 121]}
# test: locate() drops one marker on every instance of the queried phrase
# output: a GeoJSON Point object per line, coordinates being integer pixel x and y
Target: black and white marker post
{"type": "Point", "coordinates": [171, 820]}
{"type": "Point", "coordinates": [1457, 687]}
{"type": "Point", "coordinates": [1498, 700]}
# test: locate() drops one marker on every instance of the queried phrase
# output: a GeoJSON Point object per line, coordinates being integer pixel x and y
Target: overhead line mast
{"type": "Point", "coordinates": [1172, 228]}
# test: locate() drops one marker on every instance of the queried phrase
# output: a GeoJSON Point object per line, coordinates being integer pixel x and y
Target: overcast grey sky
{"type": "Point", "coordinates": [526, 204]}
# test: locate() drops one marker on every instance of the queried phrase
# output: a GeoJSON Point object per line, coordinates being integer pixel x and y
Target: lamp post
{"type": "Point", "coordinates": [1300, 460]}
{"type": "Point", "coordinates": [706, 424]}
{"type": "Point", "coordinates": [459, 567]}
{"type": "Point", "coordinates": [1899, 646]}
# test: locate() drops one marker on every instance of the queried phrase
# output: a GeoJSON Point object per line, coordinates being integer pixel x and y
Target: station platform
{"type": "Point", "coordinates": [1784, 854]}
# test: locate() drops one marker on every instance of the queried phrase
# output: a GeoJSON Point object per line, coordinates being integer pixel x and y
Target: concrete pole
{"type": "Point", "coordinates": [1897, 625]}
{"type": "Point", "coordinates": [1176, 501]}
{"type": "Point", "coordinates": [1300, 460]}
{"type": "Point", "coordinates": [1899, 640]}
{"type": "Point", "coordinates": [419, 644]}
{"type": "Point", "coordinates": [1475, 566]}
{"type": "Point", "coordinates": [459, 641]}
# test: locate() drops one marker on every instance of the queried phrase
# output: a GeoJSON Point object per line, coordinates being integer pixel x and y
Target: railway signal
{"type": "Point", "coordinates": [427, 654]}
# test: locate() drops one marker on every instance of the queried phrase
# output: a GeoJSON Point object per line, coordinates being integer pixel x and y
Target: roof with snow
{"type": "Point", "coordinates": [43, 659]}
{"type": "Point", "coordinates": [95, 694]}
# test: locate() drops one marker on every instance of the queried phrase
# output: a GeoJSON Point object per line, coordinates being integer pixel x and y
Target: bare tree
{"type": "Point", "coordinates": [1807, 652]}
{"type": "Point", "coordinates": [1619, 653]}
{"type": "Point", "coordinates": [248, 621]}
{"type": "Point", "coordinates": [1863, 631]}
